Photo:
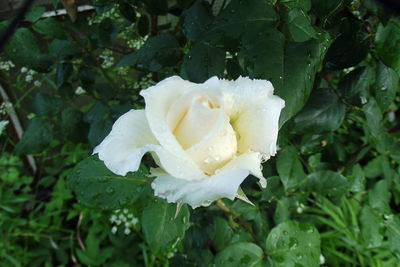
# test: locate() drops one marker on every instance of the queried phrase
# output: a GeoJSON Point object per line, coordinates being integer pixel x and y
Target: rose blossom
{"type": "Point", "coordinates": [206, 138]}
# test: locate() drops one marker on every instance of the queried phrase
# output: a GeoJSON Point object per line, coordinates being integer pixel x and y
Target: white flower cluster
{"type": "Point", "coordinates": [137, 42]}
{"type": "Point", "coordinates": [3, 125]}
{"type": "Point", "coordinates": [4, 107]}
{"type": "Point", "coordinates": [108, 59]}
{"type": "Point", "coordinates": [30, 75]}
{"type": "Point", "coordinates": [112, 13]}
{"type": "Point", "coordinates": [300, 207]}
{"type": "Point", "coordinates": [123, 218]}
{"type": "Point", "coordinates": [79, 90]}
{"type": "Point", "coordinates": [6, 65]}
{"type": "Point", "coordinates": [144, 82]}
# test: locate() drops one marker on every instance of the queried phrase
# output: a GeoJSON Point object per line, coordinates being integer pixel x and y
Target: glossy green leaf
{"type": "Point", "coordinates": [371, 227]}
{"type": "Point", "coordinates": [23, 49]}
{"type": "Point", "coordinates": [35, 13]}
{"type": "Point", "coordinates": [300, 64]}
{"type": "Point", "coordinates": [354, 86]}
{"type": "Point", "coordinates": [241, 20]}
{"type": "Point", "coordinates": [387, 84]}
{"type": "Point", "coordinates": [294, 243]}
{"type": "Point", "coordinates": [96, 186]}
{"type": "Point", "coordinates": [220, 233]}
{"type": "Point", "coordinates": [161, 228]}
{"type": "Point", "coordinates": [323, 112]}
{"type": "Point", "coordinates": [46, 105]}
{"type": "Point", "coordinates": [350, 46]}
{"type": "Point", "coordinates": [240, 254]}
{"type": "Point", "coordinates": [379, 197]}
{"type": "Point", "coordinates": [299, 25]}
{"type": "Point", "coordinates": [196, 20]}
{"type": "Point", "coordinates": [327, 183]}
{"type": "Point", "coordinates": [289, 168]}
{"type": "Point", "coordinates": [36, 138]}
{"type": "Point", "coordinates": [203, 62]}
{"type": "Point", "coordinates": [387, 41]}
{"type": "Point", "coordinates": [50, 28]}
{"type": "Point", "coordinates": [158, 52]}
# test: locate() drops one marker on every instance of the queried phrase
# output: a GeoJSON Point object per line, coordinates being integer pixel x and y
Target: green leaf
{"type": "Point", "coordinates": [241, 20]}
{"type": "Point", "coordinates": [294, 243]}
{"type": "Point", "coordinates": [327, 183]}
{"type": "Point", "coordinates": [196, 20]}
{"type": "Point", "coordinates": [158, 52]}
{"type": "Point", "coordinates": [36, 138]}
{"type": "Point", "coordinates": [354, 86]}
{"type": "Point", "coordinates": [96, 186]}
{"type": "Point", "coordinates": [371, 225]}
{"type": "Point", "coordinates": [393, 234]}
{"type": "Point", "coordinates": [387, 83]}
{"type": "Point", "coordinates": [282, 211]}
{"type": "Point", "coordinates": [379, 196]}
{"type": "Point", "coordinates": [263, 56]}
{"type": "Point", "coordinates": [350, 46]}
{"type": "Point", "coordinates": [302, 4]}
{"type": "Point", "coordinates": [358, 179]}
{"type": "Point", "coordinates": [274, 189]}
{"type": "Point", "coordinates": [46, 105]}
{"type": "Point", "coordinates": [24, 50]}
{"type": "Point", "coordinates": [300, 64]}
{"type": "Point", "coordinates": [35, 13]}
{"type": "Point", "coordinates": [50, 28]}
{"type": "Point", "coordinates": [289, 168]}
{"type": "Point", "coordinates": [323, 112]}
{"type": "Point", "coordinates": [220, 233]}
{"type": "Point", "coordinates": [161, 228]}
{"type": "Point", "coordinates": [203, 62]}
{"type": "Point", "coordinates": [72, 125]}
{"type": "Point", "coordinates": [98, 130]}
{"type": "Point", "coordinates": [299, 25]}
{"type": "Point", "coordinates": [387, 42]}
{"type": "Point", "coordinates": [240, 254]}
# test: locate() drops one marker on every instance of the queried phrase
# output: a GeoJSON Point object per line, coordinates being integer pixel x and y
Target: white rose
{"type": "Point", "coordinates": [206, 138]}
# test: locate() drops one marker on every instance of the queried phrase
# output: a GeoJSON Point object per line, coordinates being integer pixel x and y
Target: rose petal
{"type": "Point", "coordinates": [254, 113]}
{"type": "Point", "coordinates": [131, 138]}
{"type": "Point", "coordinates": [159, 99]}
{"type": "Point", "coordinates": [124, 147]}
{"type": "Point", "coordinates": [203, 192]}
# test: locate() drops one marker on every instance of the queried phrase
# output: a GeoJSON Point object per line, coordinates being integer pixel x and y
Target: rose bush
{"type": "Point", "coordinates": [206, 138]}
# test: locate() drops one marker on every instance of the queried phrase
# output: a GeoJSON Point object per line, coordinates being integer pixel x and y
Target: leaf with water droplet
{"type": "Point", "coordinates": [96, 186]}
{"type": "Point", "coordinates": [288, 245]}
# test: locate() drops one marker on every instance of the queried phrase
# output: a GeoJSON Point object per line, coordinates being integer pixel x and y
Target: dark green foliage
{"type": "Point", "coordinates": [333, 188]}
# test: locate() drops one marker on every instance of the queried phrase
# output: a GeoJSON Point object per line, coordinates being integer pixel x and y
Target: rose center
{"type": "Point", "coordinates": [197, 121]}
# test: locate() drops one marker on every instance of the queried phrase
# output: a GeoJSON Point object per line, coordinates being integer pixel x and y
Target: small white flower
{"type": "Point", "coordinates": [118, 222]}
{"type": "Point", "coordinates": [37, 83]}
{"type": "Point", "coordinates": [127, 224]}
{"type": "Point", "coordinates": [134, 221]}
{"type": "Point", "coordinates": [31, 72]}
{"type": "Point", "coordinates": [130, 216]}
{"type": "Point", "coordinates": [114, 229]}
{"type": "Point", "coordinates": [79, 91]}
{"type": "Point", "coordinates": [23, 70]}
{"type": "Point", "coordinates": [125, 211]}
{"type": "Point", "coordinates": [28, 78]}
{"type": "Point", "coordinates": [127, 231]}
{"type": "Point", "coordinates": [113, 218]}
{"type": "Point", "coordinates": [321, 259]}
